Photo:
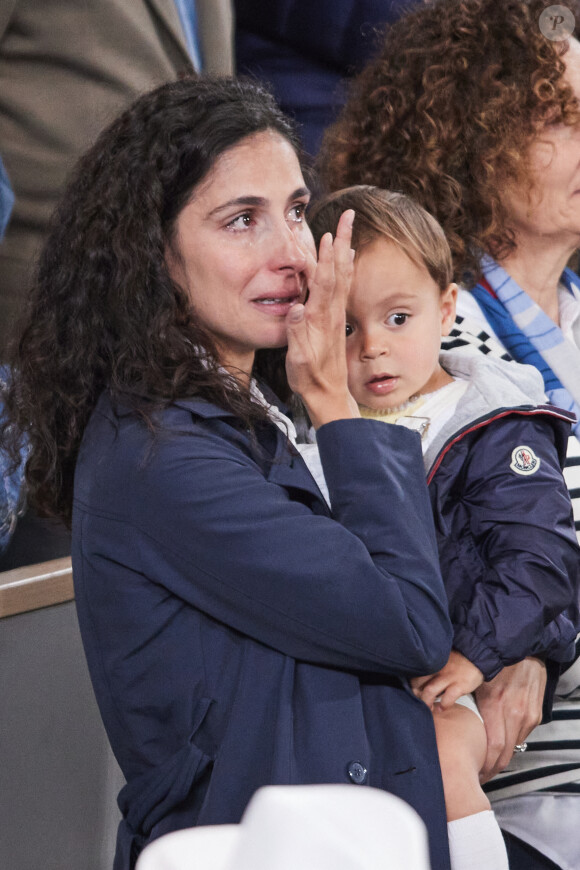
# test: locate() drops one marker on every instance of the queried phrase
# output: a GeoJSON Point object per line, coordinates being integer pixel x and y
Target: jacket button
{"type": "Point", "coordinates": [357, 772]}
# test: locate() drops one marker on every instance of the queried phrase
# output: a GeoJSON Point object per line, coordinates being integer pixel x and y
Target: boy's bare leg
{"type": "Point", "coordinates": [475, 840]}
{"type": "Point", "coordinates": [462, 746]}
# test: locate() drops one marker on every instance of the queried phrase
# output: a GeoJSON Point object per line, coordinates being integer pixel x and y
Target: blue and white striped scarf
{"type": "Point", "coordinates": [531, 336]}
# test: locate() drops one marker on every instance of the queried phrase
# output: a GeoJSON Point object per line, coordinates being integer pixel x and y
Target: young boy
{"type": "Point", "coordinates": [492, 454]}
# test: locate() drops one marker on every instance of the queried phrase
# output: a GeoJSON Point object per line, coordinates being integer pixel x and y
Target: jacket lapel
{"type": "Point", "coordinates": [287, 469]}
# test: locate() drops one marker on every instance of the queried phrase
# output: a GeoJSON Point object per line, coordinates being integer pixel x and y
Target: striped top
{"type": "Point", "coordinates": [572, 478]}
{"type": "Point", "coordinates": [471, 331]}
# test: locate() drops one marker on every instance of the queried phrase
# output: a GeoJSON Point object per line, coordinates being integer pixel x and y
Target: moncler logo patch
{"type": "Point", "coordinates": [524, 460]}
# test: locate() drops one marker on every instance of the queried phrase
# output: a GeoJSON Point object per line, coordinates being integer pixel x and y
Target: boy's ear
{"type": "Point", "coordinates": [447, 303]}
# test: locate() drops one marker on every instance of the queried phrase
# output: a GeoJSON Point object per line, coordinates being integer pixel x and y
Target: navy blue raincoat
{"type": "Point", "coordinates": [237, 634]}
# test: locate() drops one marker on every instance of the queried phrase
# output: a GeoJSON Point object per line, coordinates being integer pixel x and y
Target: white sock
{"type": "Point", "coordinates": [476, 843]}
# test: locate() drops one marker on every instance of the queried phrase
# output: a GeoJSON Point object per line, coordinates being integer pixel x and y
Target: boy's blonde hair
{"type": "Point", "coordinates": [393, 216]}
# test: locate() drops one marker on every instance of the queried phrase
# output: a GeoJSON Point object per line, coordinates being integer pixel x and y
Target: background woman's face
{"type": "Point", "coordinates": [552, 206]}
{"type": "Point", "coordinates": [240, 245]}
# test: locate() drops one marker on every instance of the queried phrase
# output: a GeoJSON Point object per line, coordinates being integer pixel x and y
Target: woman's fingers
{"type": "Point", "coordinates": [495, 727]}
{"type": "Point", "coordinates": [511, 705]}
{"type": "Point", "coordinates": [316, 357]}
{"type": "Point", "coordinates": [418, 683]}
{"type": "Point", "coordinates": [431, 689]}
{"type": "Point", "coordinates": [458, 677]}
{"type": "Point", "coordinates": [449, 696]}
{"type": "Point", "coordinates": [343, 254]}
{"type": "Point", "coordinates": [310, 262]}
{"type": "Point", "coordinates": [441, 694]}
{"type": "Point", "coordinates": [331, 281]}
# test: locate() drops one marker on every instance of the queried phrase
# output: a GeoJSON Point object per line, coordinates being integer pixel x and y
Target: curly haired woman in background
{"type": "Point", "coordinates": [471, 109]}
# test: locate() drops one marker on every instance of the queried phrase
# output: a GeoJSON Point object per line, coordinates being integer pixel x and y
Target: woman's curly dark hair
{"type": "Point", "coordinates": [103, 312]}
{"type": "Point", "coordinates": [446, 113]}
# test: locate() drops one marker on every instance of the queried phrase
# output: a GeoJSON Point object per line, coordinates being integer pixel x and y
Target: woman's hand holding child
{"type": "Point", "coordinates": [441, 690]}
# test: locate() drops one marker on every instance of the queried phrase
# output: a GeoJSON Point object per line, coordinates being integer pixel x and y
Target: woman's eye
{"type": "Point", "coordinates": [241, 222]}
{"type": "Point", "coordinates": [397, 319]}
{"type": "Point", "coordinates": [349, 330]}
{"type": "Point", "coordinates": [297, 212]}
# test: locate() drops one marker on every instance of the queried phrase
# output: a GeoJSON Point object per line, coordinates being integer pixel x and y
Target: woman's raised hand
{"type": "Point", "coordinates": [316, 359]}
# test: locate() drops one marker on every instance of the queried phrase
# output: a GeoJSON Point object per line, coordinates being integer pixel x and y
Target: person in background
{"type": "Point", "coordinates": [492, 452]}
{"type": "Point", "coordinates": [237, 633]}
{"type": "Point", "coordinates": [6, 199]}
{"type": "Point", "coordinates": [306, 50]}
{"type": "Point", "coordinates": [66, 69]}
{"type": "Point", "coordinates": [472, 108]}
{"type": "Point", "coordinates": [10, 478]}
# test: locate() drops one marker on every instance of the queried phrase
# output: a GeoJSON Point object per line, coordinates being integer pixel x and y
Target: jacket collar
{"type": "Point", "coordinates": [496, 388]}
{"type": "Point", "coordinates": [203, 408]}
{"type": "Point", "coordinates": [287, 469]}
{"type": "Point", "coordinates": [207, 409]}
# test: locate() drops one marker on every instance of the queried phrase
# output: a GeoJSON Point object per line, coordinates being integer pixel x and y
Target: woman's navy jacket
{"type": "Point", "coordinates": [305, 48]}
{"type": "Point", "coordinates": [236, 634]}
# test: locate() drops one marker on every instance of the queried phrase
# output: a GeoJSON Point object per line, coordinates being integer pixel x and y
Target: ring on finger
{"type": "Point", "coordinates": [520, 747]}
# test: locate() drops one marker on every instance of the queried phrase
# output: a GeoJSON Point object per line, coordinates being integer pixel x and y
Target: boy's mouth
{"type": "Point", "coordinates": [382, 384]}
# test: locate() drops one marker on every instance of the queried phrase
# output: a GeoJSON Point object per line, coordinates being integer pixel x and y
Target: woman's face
{"type": "Point", "coordinates": [239, 248]}
{"type": "Point", "coordinates": [552, 207]}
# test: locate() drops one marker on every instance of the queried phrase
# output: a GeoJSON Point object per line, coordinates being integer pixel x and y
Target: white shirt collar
{"type": "Point", "coordinates": [283, 422]}
{"type": "Point", "coordinates": [569, 308]}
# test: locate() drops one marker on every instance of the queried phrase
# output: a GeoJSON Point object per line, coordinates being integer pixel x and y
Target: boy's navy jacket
{"type": "Point", "coordinates": [509, 554]}
{"type": "Point", "coordinates": [239, 636]}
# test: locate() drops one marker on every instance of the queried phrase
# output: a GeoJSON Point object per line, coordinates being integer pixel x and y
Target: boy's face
{"type": "Point", "coordinates": [396, 316]}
